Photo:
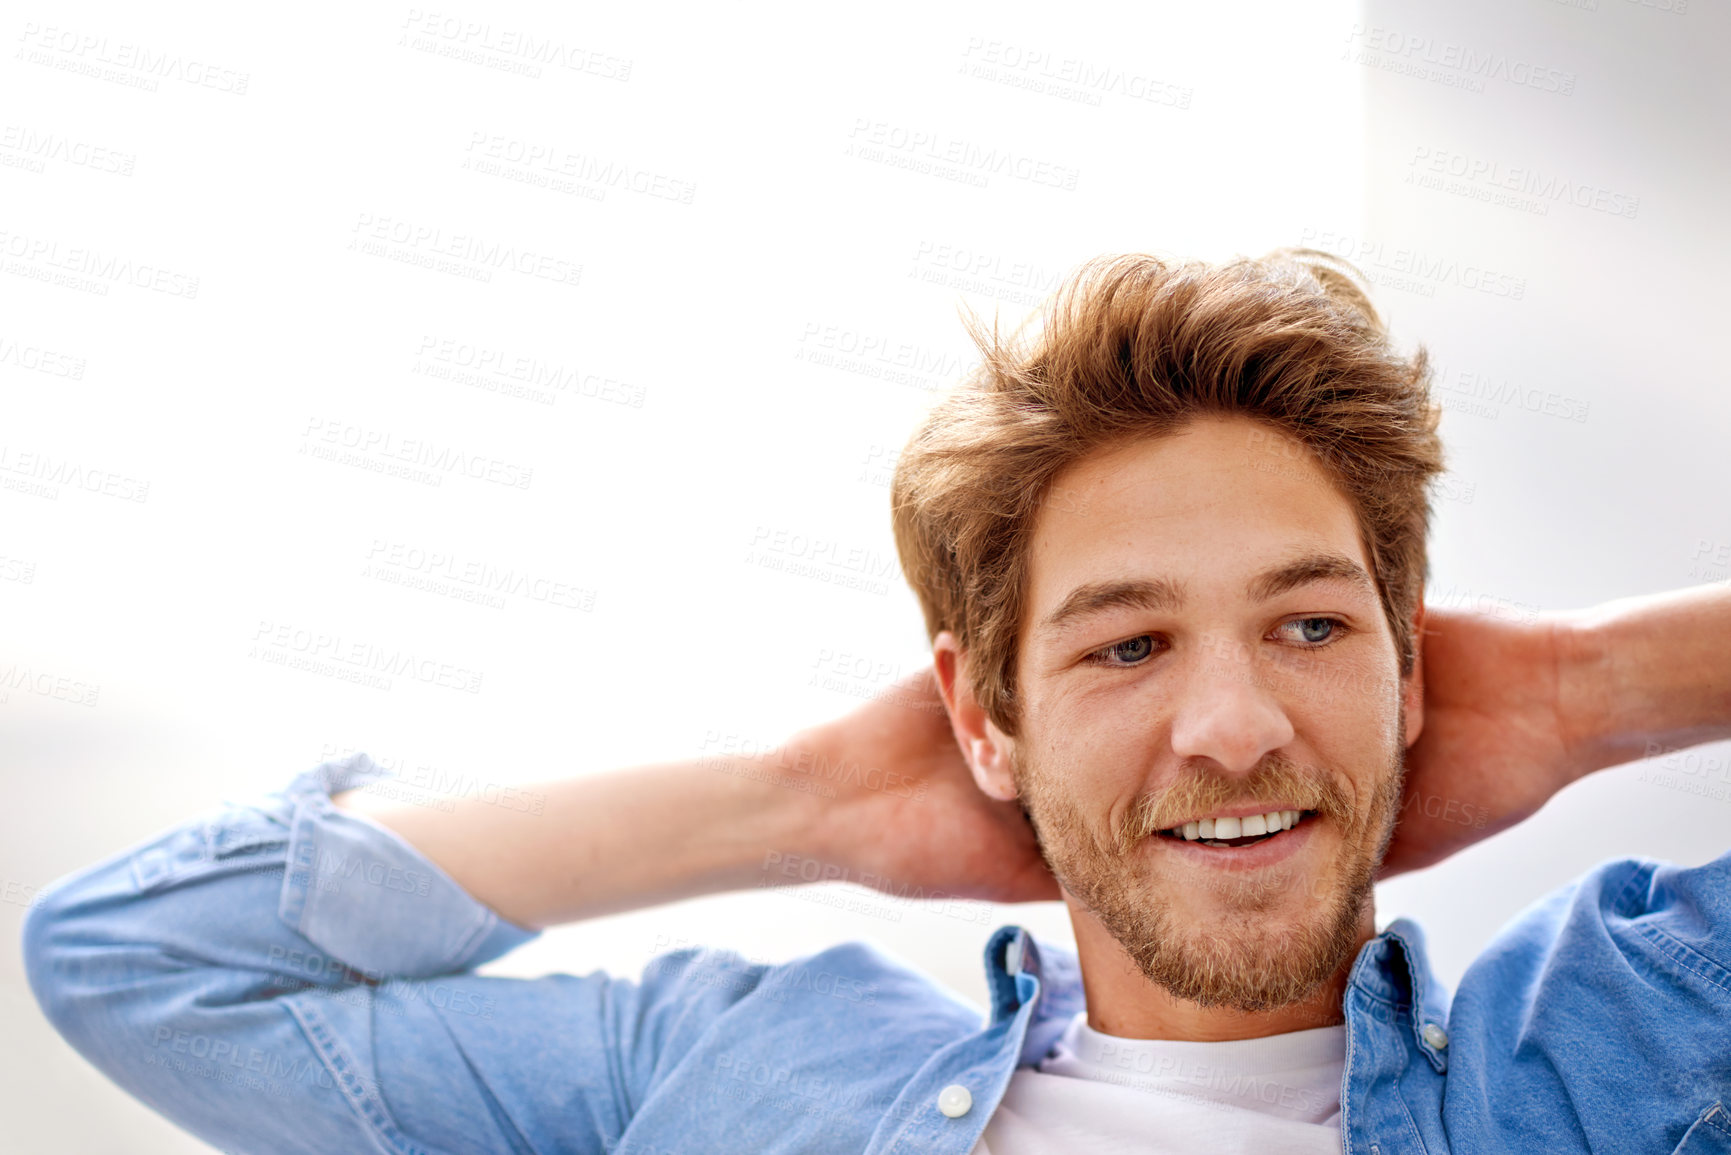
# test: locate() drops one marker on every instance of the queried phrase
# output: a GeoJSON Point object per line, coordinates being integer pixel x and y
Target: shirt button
{"type": "Point", "coordinates": [954, 1100]}
{"type": "Point", "coordinates": [1435, 1036]}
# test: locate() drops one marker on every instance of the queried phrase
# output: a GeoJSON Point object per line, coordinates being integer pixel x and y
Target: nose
{"type": "Point", "coordinates": [1225, 715]}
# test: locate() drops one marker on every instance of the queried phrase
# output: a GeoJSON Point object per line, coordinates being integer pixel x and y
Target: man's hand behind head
{"type": "Point", "coordinates": [907, 816]}
{"type": "Point", "coordinates": [1496, 742]}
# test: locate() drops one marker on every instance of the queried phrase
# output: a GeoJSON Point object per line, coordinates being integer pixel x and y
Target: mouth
{"type": "Point", "coordinates": [1227, 832]}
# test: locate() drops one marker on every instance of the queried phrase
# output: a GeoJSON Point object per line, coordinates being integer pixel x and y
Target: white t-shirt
{"type": "Point", "coordinates": [1097, 1092]}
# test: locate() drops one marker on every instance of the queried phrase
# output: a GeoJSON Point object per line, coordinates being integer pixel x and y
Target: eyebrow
{"type": "Point", "coordinates": [1161, 594]}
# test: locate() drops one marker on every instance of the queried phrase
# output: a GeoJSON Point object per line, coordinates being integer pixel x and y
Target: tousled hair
{"type": "Point", "coordinates": [1131, 347]}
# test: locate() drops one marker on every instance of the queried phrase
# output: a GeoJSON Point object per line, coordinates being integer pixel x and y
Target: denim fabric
{"type": "Point", "coordinates": [282, 976]}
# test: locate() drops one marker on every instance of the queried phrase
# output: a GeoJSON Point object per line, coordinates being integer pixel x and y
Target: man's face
{"type": "Point", "coordinates": [1163, 684]}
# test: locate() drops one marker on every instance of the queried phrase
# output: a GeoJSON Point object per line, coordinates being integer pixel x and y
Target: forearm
{"type": "Point", "coordinates": [614, 841]}
{"type": "Point", "coordinates": [1649, 671]}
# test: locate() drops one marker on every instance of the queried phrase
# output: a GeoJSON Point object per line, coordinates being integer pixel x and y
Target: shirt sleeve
{"type": "Point", "coordinates": [284, 976]}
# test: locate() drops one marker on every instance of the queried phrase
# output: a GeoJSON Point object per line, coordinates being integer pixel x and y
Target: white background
{"type": "Point", "coordinates": [762, 307]}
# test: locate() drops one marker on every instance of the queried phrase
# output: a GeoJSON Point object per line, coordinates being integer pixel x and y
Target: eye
{"type": "Point", "coordinates": [1128, 652]}
{"type": "Point", "coordinates": [1335, 628]}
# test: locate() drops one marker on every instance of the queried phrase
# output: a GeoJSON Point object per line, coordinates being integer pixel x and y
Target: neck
{"type": "Point", "coordinates": [1122, 1001]}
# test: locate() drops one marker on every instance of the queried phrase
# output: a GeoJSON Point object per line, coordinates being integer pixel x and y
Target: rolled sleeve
{"type": "Point", "coordinates": [360, 894]}
{"type": "Point", "coordinates": [284, 976]}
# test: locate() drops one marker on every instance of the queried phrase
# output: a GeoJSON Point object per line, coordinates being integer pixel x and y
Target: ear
{"type": "Point", "coordinates": [1412, 687]}
{"type": "Point", "coordinates": [985, 748]}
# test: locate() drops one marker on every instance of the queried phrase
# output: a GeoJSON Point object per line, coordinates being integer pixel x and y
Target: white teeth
{"type": "Point", "coordinates": [1253, 826]}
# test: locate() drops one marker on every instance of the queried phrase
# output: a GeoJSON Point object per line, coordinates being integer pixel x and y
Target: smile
{"type": "Point", "coordinates": [1229, 832]}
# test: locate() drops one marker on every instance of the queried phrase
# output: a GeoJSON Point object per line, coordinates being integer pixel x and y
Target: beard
{"type": "Point", "coordinates": [1261, 939]}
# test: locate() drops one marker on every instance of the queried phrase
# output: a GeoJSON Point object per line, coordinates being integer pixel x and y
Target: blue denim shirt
{"type": "Point", "coordinates": [287, 977]}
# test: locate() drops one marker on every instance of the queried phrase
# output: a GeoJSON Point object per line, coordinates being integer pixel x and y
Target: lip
{"type": "Point", "coordinates": [1268, 852]}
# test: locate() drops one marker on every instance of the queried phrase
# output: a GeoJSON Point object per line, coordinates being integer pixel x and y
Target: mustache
{"type": "Point", "coordinates": [1275, 778]}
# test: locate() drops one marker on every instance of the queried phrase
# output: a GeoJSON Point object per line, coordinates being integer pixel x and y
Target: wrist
{"type": "Point", "coordinates": [814, 814]}
{"type": "Point", "coordinates": [775, 801]}
{"type": "Point", "coordinates": [1644, 675]}
{"type": "Point", "coordinates": [1583, 655]}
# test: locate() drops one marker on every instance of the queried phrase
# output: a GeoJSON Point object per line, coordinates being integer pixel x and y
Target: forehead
{"type": "Point", "coordinates": [1209, 506]}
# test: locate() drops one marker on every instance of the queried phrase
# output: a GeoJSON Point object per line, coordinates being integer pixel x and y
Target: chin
{"type": "Point", "coordinates": [1224, 953]}
{"type": "Point", "coordinates": [1248, 968]}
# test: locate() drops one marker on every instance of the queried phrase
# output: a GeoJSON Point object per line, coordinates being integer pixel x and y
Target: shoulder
{"type": "Point", "coordinates": [857, 975]}
{"type": "Point", "coordinates": [1601, 1009]}
{"type": "Point", "coordinates": [1626, 918]}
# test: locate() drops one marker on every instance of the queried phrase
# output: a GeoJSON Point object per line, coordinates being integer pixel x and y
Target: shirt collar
{"type": "Point", "coordinates": [1393, 967]}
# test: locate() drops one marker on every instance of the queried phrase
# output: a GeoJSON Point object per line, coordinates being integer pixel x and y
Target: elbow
{"type": "Point", "coordinates": [87, 959]}
{"type": "Point", "coordinates": [59, 948]}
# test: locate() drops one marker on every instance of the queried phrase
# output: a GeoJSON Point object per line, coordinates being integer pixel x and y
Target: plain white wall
{"type": "Point", "coordinates": [763, 303]}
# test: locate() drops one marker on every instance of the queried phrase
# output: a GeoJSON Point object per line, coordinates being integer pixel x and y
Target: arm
{"type": "Point", "coordinates": [292, 975]}
{"type": "Point", "coordinates": [1652, 671]}
{"type": "Point", "coordinates": [880, 795]}
{"type": "Point", "coordinates": [282, 976]}
{"type": "Point", "coordinates": [598, 844]}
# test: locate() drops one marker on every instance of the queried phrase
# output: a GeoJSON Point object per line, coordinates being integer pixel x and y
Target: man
{"type": "Point", "coordinates": [1171, 558]}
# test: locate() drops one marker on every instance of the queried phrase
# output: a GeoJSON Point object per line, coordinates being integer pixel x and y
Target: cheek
{"type": "Point", "coordinates": [1348, 726]}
